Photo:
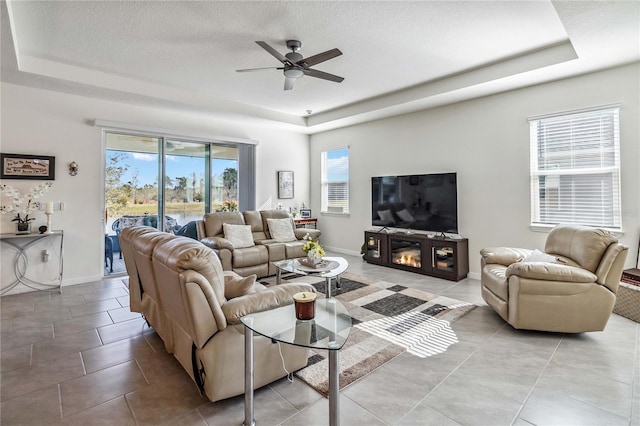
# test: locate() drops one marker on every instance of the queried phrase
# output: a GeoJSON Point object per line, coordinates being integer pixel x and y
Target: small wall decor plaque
{"type": "Point", "coordinates": [24, 166]}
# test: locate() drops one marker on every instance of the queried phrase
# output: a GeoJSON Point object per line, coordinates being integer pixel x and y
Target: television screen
{"type": "Point", "coordinates": [427, 202]}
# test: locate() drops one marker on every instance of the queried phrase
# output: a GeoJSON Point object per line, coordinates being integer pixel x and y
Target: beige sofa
{"type": "Point", "coordinates": [179, 286]}
{"type": "Point", "coordinates": [258, 258]}
{"type": "Point", "coordinates": [570, 288]}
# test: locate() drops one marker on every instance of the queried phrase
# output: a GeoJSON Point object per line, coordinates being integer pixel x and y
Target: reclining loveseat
{"type": "Point", "coordinates": [249, 242]}
{"type": "Point", "coordinates": [179, 286]}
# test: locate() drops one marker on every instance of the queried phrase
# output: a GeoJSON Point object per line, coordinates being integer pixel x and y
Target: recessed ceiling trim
{"type": "Point", "coordinates": [13, 31]}
{"type": "Point", "coordinates": [159, 132]}
{"type": "Point", "coordinates": [58, 70]}
{"type": "Point", "coordinates": [537, 59]}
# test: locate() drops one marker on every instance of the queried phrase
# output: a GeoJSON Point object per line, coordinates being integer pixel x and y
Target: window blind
{"type": "Point", "coordinates": [335, 181]}
{"type": "Point", "coordinates": [575, 169]}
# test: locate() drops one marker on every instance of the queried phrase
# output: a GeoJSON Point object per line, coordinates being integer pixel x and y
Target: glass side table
{"type": "Point", "coordinates": [336, 266]}
{"type": "Point", "coordinates": [328, 330]}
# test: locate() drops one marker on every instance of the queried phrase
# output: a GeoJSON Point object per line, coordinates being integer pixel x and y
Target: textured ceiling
{"type": "Point", "coordinates": [397, 56]}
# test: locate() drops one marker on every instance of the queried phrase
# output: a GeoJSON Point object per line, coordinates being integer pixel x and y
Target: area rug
{"type": "Point", "coordinates": [388, 319]}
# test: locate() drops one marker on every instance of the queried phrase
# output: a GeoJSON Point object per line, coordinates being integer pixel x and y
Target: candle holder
{"type": "Point", "coordinates": [48, 231]}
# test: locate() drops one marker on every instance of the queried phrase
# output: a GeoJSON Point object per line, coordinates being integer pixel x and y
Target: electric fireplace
{"type": "Point", "coordinates": [406, 252]}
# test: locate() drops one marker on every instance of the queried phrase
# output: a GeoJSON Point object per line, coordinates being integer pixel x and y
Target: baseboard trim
{"type": "Point", "coordinates": [474, 275]}
{"type": "Point", "coordinates": [81, 280]}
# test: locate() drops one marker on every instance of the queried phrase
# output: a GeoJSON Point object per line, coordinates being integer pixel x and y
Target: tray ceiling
{"type": "Point", "coordinates": [397, 56]}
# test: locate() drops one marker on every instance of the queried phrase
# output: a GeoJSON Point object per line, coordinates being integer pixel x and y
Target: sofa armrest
{"type": "Point", "coordinates": [266, 242]}
{"type": "Point", "coordinates": [200, 229]}
{"type": "Point", "coordinates": [550, 272]}
{"type": "Point", "coordinates": [217, 243]}
{"type": "Point", "coordinates": [313, 233]}
{"type": "Point", "coordinates": [270, 298]}
{"type": "Point", "coordinates": [503, 255]}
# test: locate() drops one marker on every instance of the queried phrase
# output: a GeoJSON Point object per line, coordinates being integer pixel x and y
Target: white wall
{"type": "Point", "coordinates": [486, 141]}
{"type": "Point", "coordinates": [43, 122]}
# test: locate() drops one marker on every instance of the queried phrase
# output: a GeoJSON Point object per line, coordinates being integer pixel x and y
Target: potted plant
{"type": "Point", "coordinates": [21, 210]}
{"type": "Point", "coordinates": [313, 250]}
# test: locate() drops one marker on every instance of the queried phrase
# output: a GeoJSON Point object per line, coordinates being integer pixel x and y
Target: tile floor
{"type": "Point", "coordinates": [81, 358]}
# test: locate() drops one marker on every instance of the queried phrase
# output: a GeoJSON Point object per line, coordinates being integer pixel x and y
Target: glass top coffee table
{"type": "Point", "coordinates": [328, 330]}
{"type": "Point", "coordinates": [335, 266]}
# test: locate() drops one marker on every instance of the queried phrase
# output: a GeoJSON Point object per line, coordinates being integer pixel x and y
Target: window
{"type": "Point", "coordinates": [335, 181]}
{"type": "Point", "coordinates": [575, 169]}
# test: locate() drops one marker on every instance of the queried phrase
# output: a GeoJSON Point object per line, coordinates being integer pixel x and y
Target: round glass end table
{"type": "Point", "coordinates": [335, 267]}
{"type": "Point", "coordinates": [328, 330]}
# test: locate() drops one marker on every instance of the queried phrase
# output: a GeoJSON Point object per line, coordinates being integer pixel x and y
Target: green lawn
{"type": "Point", "coordinates": [152, 208]}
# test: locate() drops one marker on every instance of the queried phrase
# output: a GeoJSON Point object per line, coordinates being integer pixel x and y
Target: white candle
{"type": "Point", "coordinates": [48, 208]}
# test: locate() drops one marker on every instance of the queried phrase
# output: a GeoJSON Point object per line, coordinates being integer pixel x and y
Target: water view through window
{"type": "Point", "coordinates": [195, 175]}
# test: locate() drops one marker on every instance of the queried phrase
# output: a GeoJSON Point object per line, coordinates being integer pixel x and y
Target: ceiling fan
{"type": "Point", "coordinates": [295, 66]}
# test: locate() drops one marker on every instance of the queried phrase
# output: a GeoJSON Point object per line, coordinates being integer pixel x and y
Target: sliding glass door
{"type": "Point", "coordinates": [197, 178]}
{"type": "Point", "coordinates": [185, 182]}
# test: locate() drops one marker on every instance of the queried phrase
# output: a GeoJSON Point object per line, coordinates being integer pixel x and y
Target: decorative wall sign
{"type": "Point", "coordinates": [23, 166]}
{"type": "Point", "coordinates": [285, 184]}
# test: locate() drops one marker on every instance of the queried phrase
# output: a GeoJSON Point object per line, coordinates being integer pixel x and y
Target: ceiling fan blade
{"type": "Point", "coordinates": [323, 75]}
{"type": "Point", "coordinates": [273, 52]}
{"type": "Point", "coordinates": [288, 83]}
{"type": "Point", "coordinates": [320, 57]}
{"type": "Point", "coordinates": [259, 69]}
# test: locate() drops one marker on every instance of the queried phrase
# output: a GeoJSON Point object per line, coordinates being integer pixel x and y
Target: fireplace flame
{"type": "Point", "coordinates": [409, 260]}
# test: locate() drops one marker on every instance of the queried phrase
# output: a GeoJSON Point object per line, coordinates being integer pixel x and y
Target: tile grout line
{"type": "Point", "coordinates": [635, 379]}
{"type": "Point", "coordinates": [449, 375]}
{"type": "Point", "coordinates": [60, 401]}
{"type": "Point", "coordinates": [537, 380]}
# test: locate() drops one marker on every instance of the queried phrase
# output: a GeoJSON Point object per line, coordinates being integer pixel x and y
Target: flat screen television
{"type": "Point", "coordinates": [427, 202]}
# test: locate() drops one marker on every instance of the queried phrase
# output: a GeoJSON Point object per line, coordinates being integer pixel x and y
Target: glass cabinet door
{"type": "Point", "coordinates": [443, 258]}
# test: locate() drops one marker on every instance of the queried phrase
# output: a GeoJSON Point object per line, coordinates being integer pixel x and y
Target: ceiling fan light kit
{"type": "Point", "coordinates": [296, 66]}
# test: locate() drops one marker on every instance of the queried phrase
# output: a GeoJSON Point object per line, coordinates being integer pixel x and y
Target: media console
{"type": "Point", "coordinates": [435, 256]}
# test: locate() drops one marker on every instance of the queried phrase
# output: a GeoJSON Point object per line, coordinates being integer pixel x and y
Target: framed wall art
{"type": "Point", "coordinates": [305, 213]}
{"type": "Point", "coordinates": [24, 166]}
{"type": "Point", "coordinates": [285, 184]}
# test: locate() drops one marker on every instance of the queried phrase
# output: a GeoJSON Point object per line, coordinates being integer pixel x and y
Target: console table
{"type": "Point", "coordinates": [24, 246]}
{"type": "Point", "coordinates": [302, 223]}
{"type": "Point", "coordinates": [429, 255]}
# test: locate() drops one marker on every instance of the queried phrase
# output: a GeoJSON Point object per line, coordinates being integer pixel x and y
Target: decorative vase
{"type": "Point", "coordinates": [23, 228]}
{"type": "Point", "coordinates": [313, 257]}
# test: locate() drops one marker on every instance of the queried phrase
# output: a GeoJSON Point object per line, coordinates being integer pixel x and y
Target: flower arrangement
{"type": "Point", "coordinates": [312, 248]}
{"type": "Point", "coordinates": [23, 211]}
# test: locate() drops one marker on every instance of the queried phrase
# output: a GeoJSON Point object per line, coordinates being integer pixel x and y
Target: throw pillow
{"type": "Point", "coordinates": [239, 235]}
{"type": "Point", "coordinates": [236, 287]}
{"type": "Point", "coordinates": [405, 215]}
{"type": "Point", "coordinates": [281, 230]}
{"type": "Point", "coordinates": [538, 256]}
{"type": "Point", "coordinates": [386, 216]}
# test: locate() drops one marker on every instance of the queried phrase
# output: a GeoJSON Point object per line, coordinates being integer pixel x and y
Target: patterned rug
{"type": "Point", "coordinates": [387, 319]}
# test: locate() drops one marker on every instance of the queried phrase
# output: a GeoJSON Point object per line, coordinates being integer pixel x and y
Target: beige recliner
{"type": "Point", "coordinates": [570, 288]}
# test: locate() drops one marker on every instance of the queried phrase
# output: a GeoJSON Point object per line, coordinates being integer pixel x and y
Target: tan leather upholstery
{"type": "Point", "coordinates": [137, 245]}
{"type": "Point", "coordinates": [259, 258]}
{"type": "Point", "coordinates": [188, 285]}
{"type": "Point", "coordinates": [574, 293]}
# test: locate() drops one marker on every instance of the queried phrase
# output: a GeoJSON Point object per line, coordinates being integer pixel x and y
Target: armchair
{"type": "Point", "coordinates": [571, 288]}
